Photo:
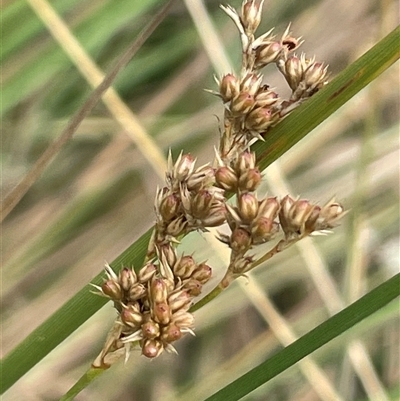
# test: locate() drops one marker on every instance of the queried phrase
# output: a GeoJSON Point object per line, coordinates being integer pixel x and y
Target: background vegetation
{"type": "Point", "coordinates": [96, 198]}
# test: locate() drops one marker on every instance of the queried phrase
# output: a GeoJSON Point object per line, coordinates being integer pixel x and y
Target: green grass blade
{"type": "Point", "coordinates": [64, 322]}
{"type": "Point", "coordinates": [83, 305]}
{"type": "Point", "coordinates": [316, 338]}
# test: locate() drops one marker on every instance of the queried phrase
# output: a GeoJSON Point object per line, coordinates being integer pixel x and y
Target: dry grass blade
{"type": "Point", "coordinates": [94, 76]}
{"type": "Point", "coordinates": [12, 199]}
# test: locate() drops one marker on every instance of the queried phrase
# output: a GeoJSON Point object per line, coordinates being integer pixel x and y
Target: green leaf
{"type": "Point", "coordinates": [316, 338]}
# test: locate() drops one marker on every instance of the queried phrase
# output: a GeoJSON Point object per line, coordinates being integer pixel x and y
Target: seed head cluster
{"type": "Point", "coordinates": [153, 303]}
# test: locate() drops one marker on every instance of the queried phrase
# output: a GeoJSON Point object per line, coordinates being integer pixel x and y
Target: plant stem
{"type": "Point", "coordinates": [209, 297]}
{"type": "Point", "coordinates": [91, 374]}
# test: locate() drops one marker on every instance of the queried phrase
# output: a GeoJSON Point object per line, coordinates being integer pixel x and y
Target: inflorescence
{"type": "Point", "coordinates": [153, 303]}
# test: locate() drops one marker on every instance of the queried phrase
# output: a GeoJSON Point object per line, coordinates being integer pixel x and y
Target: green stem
{"type": "Point", "coordinates": [82, 383]}
{"type": "Point", "coordinates": [209, 297]}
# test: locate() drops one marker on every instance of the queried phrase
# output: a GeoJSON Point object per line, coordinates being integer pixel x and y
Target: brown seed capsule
{"type": "Point", "coordinates": [267, 53]}
{"type": "Point", "coordinates": [152, 348]}
{"type": "Point", "coordinates": [293, 72]}
{"type": "Point", "coordinates": [247, 206]}
{"type": "Point", "coordinates": [131, 316]}
{"type": "Point", "coordinates": [250, 180]}
{"type": "Point", "coordinates": [146, 272]}
{"type": "Point", "coordinates": [259, 119]}
{"type": "Point", "coordinates": [240, 240]}
{"type": "Point", "coordinates": [216, 216]}
{"type": "Point", "coordinates": [263, 229]}
{"type": "Point", "coordinates": [228, 87]}
{"type": "Point", "coordinates": [242, 104]}
{"type": "Point", "coordinates": [179, 300]}
{"type": "Point", "coordinates": [183, 319]}
{"type": "Point", "coordinates": [201, 204]}
{"type": "Point", "coordinates": [251, 83]}
{"type": "Point", "coordinates": [171, 333]}
{"type": "Point", "coordinates": [112, 289]}
{"type": "Point", "coordinates": [203, 273]}
{"type": "Point", "coordinates": [170, 206]}
{"type": "Point", "coordinates": [158, 290]}
{"type": "Point", "coordinates": [137, 291]}
{"type": "Point", "coordinates": [226, 178]}
{"type": "Point", "coordinates": [251, 15]}
{"type": "Point", "coordinates": [150, 329]}
{"type": "Point", "coordinates": [193, 287]}
{"type": "Point", "coordinates": [185, 266]}
{"type": "Point", "coordinates": [127, 278]}
{"type": "Point", "coordinates": [161, 313]}
{"type": "Point", "coordinates": [245, 161]}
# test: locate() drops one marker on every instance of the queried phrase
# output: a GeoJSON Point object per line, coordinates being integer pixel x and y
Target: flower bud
{"type": "Point", "coordinates": [226, 178]}
{"type": "Point", "coordinates": [184, 166]}
{"type": "Point", "coordinates": [176, 227]}
{"type": "Point", "coordinates": [185, 266]}
{"type": "Point", "coordinates": [329, 216]}
{"type": "Point", "coordinates": [229, 87]}
{"type": "Point", "coordinates": [216, 216]}
{"type": "Point", "coordinates": [267, 53]}
{"type": "Point", "coordinates": [182, 319]}
{"type": "Point", "coordinates": [158, 290]}
{"type": "Point", "coordinates": [250, 83]}
{"type": "Point", "coordinates": [245, 161]}
{"type": "Point", "coordinates": [266, 98]}
{"type": "Point", "coordinates": [170, 206]}
{"type": "Point", "coordinates": [268, 207]}
{"type": "Point", "coordinates": [240, 240]}
{"type": "Point", "coordinates": [179, 300]}
{"type": "Point", "coordinates": [201, 204]}
{"type": "Point", "coordinates": [112, 289]}
{"type": "Point", "coordinates": [152, 348]}
{"type": "Point", "coordinates": [136, 292]}
{"type": "Point", "coordinates": [200, 178]}
{"type": "Point", "coordinates": [259, 119]}
{"type": "Point", "coordinates": [131, 316]}
{"type": "Point", "coordinates": [161, 313]}
{"type": "Point", "coordinates": [263, 229]}
{"type": "Point", "coordinates": [146, 272]}
{"type": "Point", "coordinates": [314, 77]}
{"type": "Point", "coordinates": [242, 265]}
{"type": "Point", "coordinates": [247, 206]}
{"type": "Point", "coordinates": [202, 273]}
{"type": "Point", "coordinates": [293, 72]}
{"type": "Point", "coordinates": [250, 180]}
{"type": "Point", "coordinates": [193, 287]}
{"type": "Point", "coordinates": [293, 216]}
{"type": "Point", "coordinates": [171, 333]}
{"type": "Point", "coordinates": [242, 104]}
{"type": "Point", "coordinates": [168, 253]}
{"type": "Point", "coordinates": [251, 15]}
{"type": "Point", "coordinates": [127, 278]}
{"type": "Point", "coordinates": [150, 329]}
